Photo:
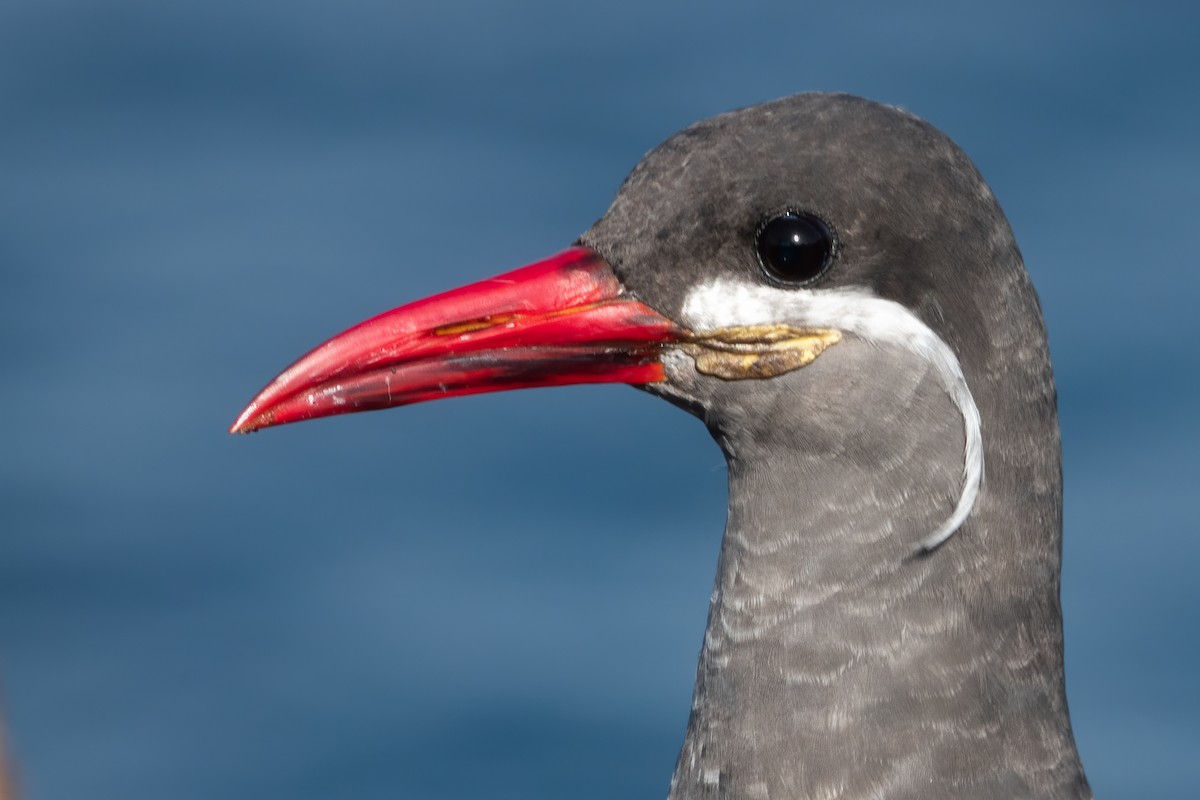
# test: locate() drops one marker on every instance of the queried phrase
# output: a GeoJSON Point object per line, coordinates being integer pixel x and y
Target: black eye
{"type": "Point", "coordinates": [795, 247]}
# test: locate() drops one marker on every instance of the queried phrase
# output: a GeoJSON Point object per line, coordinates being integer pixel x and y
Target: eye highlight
{"type": "Point", "coordinates": [795, 247]}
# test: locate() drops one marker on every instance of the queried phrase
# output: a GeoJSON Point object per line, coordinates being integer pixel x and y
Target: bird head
{"type": "Point", "coordinates": [818, 230]}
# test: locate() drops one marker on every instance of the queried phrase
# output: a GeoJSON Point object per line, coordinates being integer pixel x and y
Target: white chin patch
{"type": "Point", "coordinates": [727, 303]}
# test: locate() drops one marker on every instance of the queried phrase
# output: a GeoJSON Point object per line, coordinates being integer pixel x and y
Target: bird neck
{"type": "Point", "coordinates": [839, 662]}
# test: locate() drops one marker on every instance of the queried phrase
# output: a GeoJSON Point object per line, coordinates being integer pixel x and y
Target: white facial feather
{"type": "Point", "coordinates": [726, 303]}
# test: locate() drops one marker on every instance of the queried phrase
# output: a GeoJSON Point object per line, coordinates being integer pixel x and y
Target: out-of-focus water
{"type": "Point", "coordinates": [503, 597]}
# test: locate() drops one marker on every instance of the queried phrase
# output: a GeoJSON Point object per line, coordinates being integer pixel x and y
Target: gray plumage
{"type": "Point", "coordinates": [885, 621]}
{"type": "Point", "coordinates": [839, 661]}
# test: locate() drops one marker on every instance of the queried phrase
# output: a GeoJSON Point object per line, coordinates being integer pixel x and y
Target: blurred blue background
{"type": "Point", "coordinates": [503, 596]}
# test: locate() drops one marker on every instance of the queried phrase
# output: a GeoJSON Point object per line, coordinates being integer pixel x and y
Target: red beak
{"type": "Point", "coordinates": [556, 322]}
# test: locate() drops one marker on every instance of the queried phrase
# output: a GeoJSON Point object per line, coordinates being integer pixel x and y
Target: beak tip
{"type": "Point", "coordinates": [249, 421]}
